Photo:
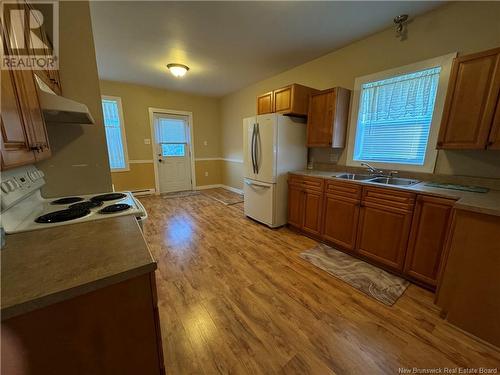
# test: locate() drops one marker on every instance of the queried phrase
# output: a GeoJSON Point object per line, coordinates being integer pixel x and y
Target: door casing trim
{"type": "Point", "coordinates": [163, 111]}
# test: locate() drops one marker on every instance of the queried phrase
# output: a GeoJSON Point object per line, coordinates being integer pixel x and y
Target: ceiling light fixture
{"type": "Point", "coordinates": [178, 70]}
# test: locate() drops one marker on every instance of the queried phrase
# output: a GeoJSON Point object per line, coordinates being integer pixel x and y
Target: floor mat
{"type": "Point", "coordinates": [180, 194]}
{"type": "Point", "coordinates": [371, 280]}
{"type": "Point", "coordinates": [224, 196]}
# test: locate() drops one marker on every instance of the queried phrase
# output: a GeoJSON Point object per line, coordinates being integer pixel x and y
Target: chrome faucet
{"type": "Point", "coordinates": [372, 170]}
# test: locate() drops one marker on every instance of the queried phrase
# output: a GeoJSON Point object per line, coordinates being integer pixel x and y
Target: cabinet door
{"type": "Point", "coordinates": [494, 142]}
{"type": "Point", "coordinates": [313, 207]}
{"type": "Point", "coordinates": [383, 234]}
{"type": "Point", "coordinates": [32, 114]}
{"type": "Point", "coordinates": [15, 150]}
{"type": "Point", "coordinates": [430, 225]}
{"type": "Point", "coordinates": [470, 101]}
{"type": "Point", "coordinates": [340, 222]}
{"type": "Point", "coordinates": [265, 103]}
{"type": "Point", "coordinates": [319, 120]}
{"type": "Point", "coordinates": [283, 99]}
{"type": "Point", "coordinates": [295, 205]}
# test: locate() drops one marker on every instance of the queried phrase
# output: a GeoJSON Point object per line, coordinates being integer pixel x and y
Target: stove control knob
{"type": "Point", "coordinates": [41, 174]}
{"type": "Point", "coordinates": [16, 184]}
{"type": "Point", "coordinates": [10, 185]}
{"type": "Point", "coordinates": [4, 187]}
{"type": "Point", "coordinates": [32, 175]}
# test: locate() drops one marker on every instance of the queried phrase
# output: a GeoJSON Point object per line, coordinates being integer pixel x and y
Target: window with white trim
{"type": "Point", "coordinates": [397, 116]}
{"type": "Point", "coordinates": [115, 133]}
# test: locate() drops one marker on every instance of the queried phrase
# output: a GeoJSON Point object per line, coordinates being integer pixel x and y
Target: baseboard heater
{"type": "Point", "coordinates": [143, 192]}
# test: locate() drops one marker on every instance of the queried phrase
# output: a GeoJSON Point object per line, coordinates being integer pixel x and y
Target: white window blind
{"type": "Point", "coordinates": [114, 134]}
{"type": "Point", "coordinates": [395, 116]}
{"type": "Point", "coordinates": [172, 129]}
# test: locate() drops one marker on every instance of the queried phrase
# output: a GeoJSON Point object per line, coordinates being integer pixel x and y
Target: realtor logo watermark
{"type": "Point", "coordinates": [30, 35]}
{"type": "Point", "coordinates": [448, 370]}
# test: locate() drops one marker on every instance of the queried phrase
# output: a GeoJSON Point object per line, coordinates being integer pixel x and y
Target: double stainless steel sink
{"type": "Point", "coordinates": [383, 180]}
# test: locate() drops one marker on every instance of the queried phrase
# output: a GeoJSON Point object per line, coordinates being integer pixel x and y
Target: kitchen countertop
{"type": "Point", "coordinates": [486, 203]}
{"type": "Point", "coordinates": [47, 266]}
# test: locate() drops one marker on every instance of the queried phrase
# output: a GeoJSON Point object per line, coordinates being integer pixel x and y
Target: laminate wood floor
{"type": "Point", "coordinates": [235, 297]}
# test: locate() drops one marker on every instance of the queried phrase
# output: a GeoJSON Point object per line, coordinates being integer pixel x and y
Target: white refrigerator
{"type": "Point", "coordinates": [273, 145]}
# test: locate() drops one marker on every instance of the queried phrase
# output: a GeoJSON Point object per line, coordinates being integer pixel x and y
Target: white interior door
{"type": "Point", "coordinates": [172, 137]}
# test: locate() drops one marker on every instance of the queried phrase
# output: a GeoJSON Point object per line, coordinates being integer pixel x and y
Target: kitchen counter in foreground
{"type": "Point", "coordinates": [47, 266]}
{"type": "Point", "coordinates": [486, 203]}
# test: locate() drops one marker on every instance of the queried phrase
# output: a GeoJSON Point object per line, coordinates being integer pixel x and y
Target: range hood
{"type": "Point", "coordinates": [57, 109]}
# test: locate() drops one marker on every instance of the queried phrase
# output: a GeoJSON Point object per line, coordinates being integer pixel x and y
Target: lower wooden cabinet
{"type": "Point", "coordinates": [398, 230]}
{"type": "Point", "coordinates": [341, 221]}
{"type": "Point", "coordinates": [430, 226]}
{"type": "Point", "coordinates": [113, 330]}
{"type": "Point", "coordinates": [383, 234]}
{"type": "Point", "coordinates": [305, 203]}
{"type": "Point", "coordinates": [295, 216]}
{"type": "Point", "coordinates": [341, 213]}
{"type": "Point", "coordinates": [313, 207]}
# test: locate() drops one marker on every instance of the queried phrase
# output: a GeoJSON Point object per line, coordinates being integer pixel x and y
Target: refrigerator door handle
{"type": "Point", "coordinates": [253, 148]}
{"type": "Point", "coordinates": [250, 183]}
{"type": "Point", "coordinates": [257, 140]}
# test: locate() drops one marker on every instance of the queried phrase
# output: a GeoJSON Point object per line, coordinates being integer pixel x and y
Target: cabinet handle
{"type": "Point", "coordinates": [490, 143]}
{"type": "Point", "coordinates": [440, 143]}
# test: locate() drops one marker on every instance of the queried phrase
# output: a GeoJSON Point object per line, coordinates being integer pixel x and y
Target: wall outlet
{"type": "Point", "coordinates": [334, 156]}
{"type": "Point", "coordinates": [206, 174]}
{"type": "Point", "coordinates": [147, 141]}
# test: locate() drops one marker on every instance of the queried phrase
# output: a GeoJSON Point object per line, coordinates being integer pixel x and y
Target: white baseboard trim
{"type": "Point", "coordinates": [142, 161]}
{"type": "Point", "coordinates": [233, 189]}
{"type": "Point", "coordinates": [240, 161]}
{"type": "Point", "coordinates": [144, 192]}
{"type": "Point", "coordinates": [204, 187]}
{"type": "Point", "coordinates": [230, 188]}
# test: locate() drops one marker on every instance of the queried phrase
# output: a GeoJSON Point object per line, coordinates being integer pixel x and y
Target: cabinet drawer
{"type": "Point", "coordinates": [345, 189]}
{"type": "Point", "coordinates": [393, 198]}
{"type": "Point", "coordinates": [307, 182]}
{"type": "Point", "coordinates": [313, 183]}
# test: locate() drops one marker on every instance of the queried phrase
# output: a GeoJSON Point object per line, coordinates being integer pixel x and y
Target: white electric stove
{"type": "Point", "coordinates": [24, 208]}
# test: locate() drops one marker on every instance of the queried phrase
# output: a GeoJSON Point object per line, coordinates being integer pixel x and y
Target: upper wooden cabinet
{"type": "Point", "coordinates": [430, 226]}
{"type": "Point", "coordinates": [327, 118]}
{"type": "Point", "coordinates": [265, 103]}
{"type": "Point", "coordinates": [16, 149]}
{"type": "Point", "coordinates": [471, 102]}
{"type": "Point", "coordinates": [292, 100]}
{"type": "Point", "coordinates": [494, 142]}
{"type": "Point", "coordinates": [24, 137]}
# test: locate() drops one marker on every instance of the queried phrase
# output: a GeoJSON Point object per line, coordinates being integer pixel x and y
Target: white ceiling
{"type": "Point", "coordinates": [228, 45]}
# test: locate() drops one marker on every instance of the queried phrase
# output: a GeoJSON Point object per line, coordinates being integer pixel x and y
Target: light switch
{"type": "Point", "coordinates": [206, 174]}
{"type": "Point", "coordinates": [147, 141]}
{"type": "Point", "coordinates": [205, 143]}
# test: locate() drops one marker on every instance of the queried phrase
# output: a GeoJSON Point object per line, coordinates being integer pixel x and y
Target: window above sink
{"type": "Point", "coordinates": [395, 116]}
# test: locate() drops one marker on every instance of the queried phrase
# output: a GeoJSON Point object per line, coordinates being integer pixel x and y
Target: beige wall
{"type": "Point", "coordinates": [136, 99]}
{"type": "Point", "coordinates": [464, 27]}
{"type": "Point", "coordinates": [79, 162]}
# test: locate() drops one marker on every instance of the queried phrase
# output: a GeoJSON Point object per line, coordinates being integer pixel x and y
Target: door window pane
{"type": "Point", "coordinates": [173, 149]}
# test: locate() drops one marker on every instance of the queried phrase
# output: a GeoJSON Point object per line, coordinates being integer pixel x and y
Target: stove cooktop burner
{"type": "Point", "coordinates": [67, 200]}
{"type": "Point", "coordinates": [86, 205]}
{"type": "Point", "coordinates": [108, 197]}
{"type": "Point", "coordinates": [115, 208]}
{"type": "Point", "coordinates": [62, 215]}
